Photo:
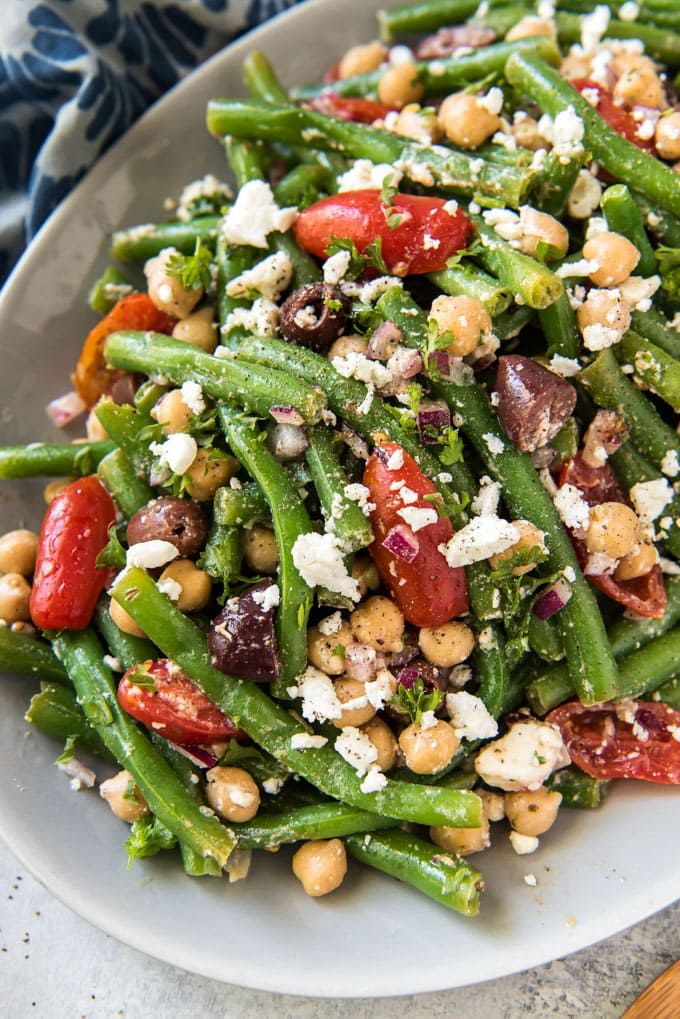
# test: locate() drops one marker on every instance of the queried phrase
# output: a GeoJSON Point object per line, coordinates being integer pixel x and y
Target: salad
{"type": "Point", "coordinates": [372, 542]}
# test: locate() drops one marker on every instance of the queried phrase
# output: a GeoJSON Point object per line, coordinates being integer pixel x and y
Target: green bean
{"type": "Point", "coordinates": [631, 468]}
{"type": "Point", "coordinates": [544, 639]}
{"type": "Point", "coordinates": [669, 693]}
{"type": "Point", "coordinates": [653, 367]}
{"type": "Point", "coordinates": [492, 668]}
{"type": "Point", "coordinates": [260, 79]}
{"type": "Point", "coordinates": [231, 261]}
{"type": "Point", "coordinates": [148, 395]}
{"type": "Point", "coordinates": [578, 790]}
{"type": "Point", "coordinates": [560, 330]}
{"type": "Point", "coordinates": [319, 821]}
{"type": "Point", "coordinates": [425, 16]}
{"type": "Point", "coordinates": [56, 713]}
{"type": "Point", "coordinates": [449, 880]}
{"type": "Point", "coordinates": [51, 459]}
{"type": "Point", "coordinates": [556, 181]}
{"type": "Point", "coordinates": [621, 158]}
{"type": "Point", "coordinates": [129, 650]}
{"type": "Point", "coordinates": [611, 389]}
{"type": "Point", "coordinates": [222, 555]}
{"type": "Point", "coordinates": [665, 228]}
{"type": "Point", "coordinates": [659, 43]}
{"type": "Point", "coordinates": [653, 326]}
{"type": "Point", "coordinates": [137, 243]}
{"type": "Point", "coordinates": [272, 727]}
{"type": "Point", "coordinates": [245, 160]}
{"type": "Point", "coordinates": [471, 281]}
{"type": "Point", "coordinates": [623, 217]}
{"type": "Point", "coordinates": [290, 519]}
{"type": "Point", "coordinates": [129, 491]}
{"type": "Point", "coordinates": [124, 424]}
{"type": "Point", "coordinates": [108, 290]}
{"type": "Point", "coordinates": [28, 656]}
{"type": "Point", "coordinates": [510, 323]}
{"type": "Point", "coordinates": [241, 507]}
{"type": "Point", "coordinates": [166, 796]}
{"type": "Point", "coordinates": [303, 185]}
{"type": "Point", "coordinates": [343, 515]}
{"type": "Point", "coordinates": [254, 388]}
{"type": "Point", "coordinates": [453, 171]}
{"type": "Point", "coordinates": [305, 269]}
{"type": "Point", "coordinates": [530, 281]}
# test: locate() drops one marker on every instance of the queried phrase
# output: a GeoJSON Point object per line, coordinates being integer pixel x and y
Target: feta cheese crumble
{"type": "Point", "coordinates": [254, 215]}
{"type": "Point", "coordinates": [335, 268]}
{"type": "Point", "coordinates": [169, 587]}
{"type": "Point", "coordinates": [480, 539]}
{"type": "Point", "coordinates": [307, 741]}
{"type": "Point", "coordinates": [573, 510]}
{"type": "Point", "coordinates": [270, 277]}
{"type": "Point", "coordinates": [469, 716]}
{"type": "Point", "coordinates": [650, 498]}
{"type": "Point", "coordinates": [355, 747]}
{"type": "Point", "coordinates": [150, 555]}
{"type": "Point", "coordinates": [567, 367]}
{"type": "Point", "coordinates": [178, 452]}
{"type": "Point", "coordinates": [670, 465]}
{"type": "Point", "coordinates": [363, 175]}
{"type": "Point", "coordinates": [268, 598]}
{"type": "Point", "coordinates": [418, 517]}
{"type": "Point", "coordinates": [524, 758]}
{"type": "Point", "coordinates": [356, 365]}
{"type": "Point", "coordinates": [485, 503]}
{"type": "Point", "coordinates": [523, 844]}
{"type": "Point", "coordinates": [192, 397]}
{"type": "Point", "coordinates": [319, 560]}
{"type": "Point", "coordinates": [319, 699]}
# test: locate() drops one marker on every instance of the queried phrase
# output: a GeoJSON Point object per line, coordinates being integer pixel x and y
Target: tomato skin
{"type": "Point", "coordinates": [361, 216]}
{"type": "Point", "coordinates": [616, 116]}
{"type": "Point", "coordinates": [67, 582]}
{"type": "Point", "coordinates": [177, 709]}
{"type": "Point", "coordinates": [604, 745]}
{"type": "Point", "coordinates": [433, 592]}
{"type": "Point", "coordinates": [92, 379]}
{"type": "Point", "coordinates": [362, 111]}
{"type": "Point", "coordinates": [645, 596]}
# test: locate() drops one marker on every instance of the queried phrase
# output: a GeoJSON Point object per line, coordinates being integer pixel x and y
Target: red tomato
{"type": "Point", "coordinates": [619, 119]}
{"type": "Point", "coordinates": [364, 111]}
{"type": "Point", "coordinates": [606, 742]}
{"type": "Point", "coordinates": [361, 216]}
{"type": "Point", "coordinates": [428, 591]}
{"type": "Point", "coordinates": [176, 709]}
{"type": "Point", "coordinates": [332, 74]}
{"type": "Point", "coordinates": [67, 583]}
{"type": "Point", "coordinates": [92, 378]}
{"type": "Point", "coordinates": [646, 595]}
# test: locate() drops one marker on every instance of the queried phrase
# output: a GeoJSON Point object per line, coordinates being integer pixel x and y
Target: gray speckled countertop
{"type": "Point", "coordinates": [55, 965]}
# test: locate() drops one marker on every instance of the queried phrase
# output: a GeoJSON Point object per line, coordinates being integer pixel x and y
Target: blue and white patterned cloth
{"type": "Point", "coordinates": [74, 74]}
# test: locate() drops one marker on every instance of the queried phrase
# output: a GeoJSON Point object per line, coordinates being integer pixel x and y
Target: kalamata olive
{"type": "Point", "coordinates": [179, 521]}
{"type": "Point", "coordinates": [533, 402]}
{"type": "Point", "coordinates": [314, 316]}
{"type": "Point", "coordinates": [444, 42]}
{"type": "Point", "coordinates": [241, 639]}
{"type": "Point", "coordinates": [122, 387]}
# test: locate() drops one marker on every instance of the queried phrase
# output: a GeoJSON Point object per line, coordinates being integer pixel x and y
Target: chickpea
{"type": "Point", "coordinates": [614, 529]}
{"type": "Point", "coordinates": [379, 623]}
{"type": "Point", "coordinates": [260, 549]}
{"type": "Point", "coordinates": [575, 66]}
{"type": "Point", "coordinates": [124, 797]}
{"type": "Point", "coordinates": [530, 538]}
{"type": "Point", "coordinates": [348, 690]}
{"type": "Point", "coordinates": [15, 593]}
{"type": "Point", "coordinates": [493, 804]}
{"type": "Point", "coordinates": [384, 741]}
{"type": "Point", "coordinates": [637, 563]}
{"type": "Point", "coordinates": [415, 123]}
{"type": "Point", "coordinates": [530, 26]}
{"type": "Point", "coordinates": [462, 841]}
{"type": "Point", "coordinates": [172, 412]}
{"type": "Point", "coordinates": [399, 86]}
{"type": "Point", "coordinates": [166, 291]}
{"type": "Point", "coordinates": [465, 121]}
{"type": "Point", "coordinates": [232, 793]}
{"type": "Point", "coordinates": [446, 645]}
{"type": "Point", "coordinates": [365, 573]}
{"type": "Point", "coordinates": [616, 257]}
{"type": "Point", "coordinates": [532, 813]}
{"type": "Point", "coordinates": [539, 226]}
{"type": "Point", "coordinates": [640, 85]}
{"type": "Point", "coordinates": [667, 136]}
{"type": "Point", "coordinates": [198, 329]}
{"type": "Point", "coordinates": [351, 344]}
{"type": "Point", "coordinates": [17, 552]}
{"type": "Point", "coordinates": [465, 318]}
{"type": "Point", "coordinates": [124, 620]}
{"type": "Point", "coordinates": [428, 750]}
{"type": "Point", "coordinates": [606, 308]}
{"type": "Point", "coordinates": [54, 488]}
{"type": "Point", "coordinates": [196, 584]}
{"type": "Point", "coordinates": [321, 649]}
{"type": "Point", "coordinates": [526, 133]}
{"type": "Point", "coordinates": [94, 428]}
{"type": "Point", "coordinates": [362, 59]}
{"type": "Point", "coordinates": [320, 866]}
{"type": "Point", "coordinates": [208, 473]}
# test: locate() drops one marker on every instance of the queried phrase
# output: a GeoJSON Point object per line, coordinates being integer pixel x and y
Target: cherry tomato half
{"type": "Point", "coordinates": [427, 590]}
{"type": "Point", "coordinates": [176, 709]}
{"type": "Point", "coordinates": [646, 595]}
{"type": "Point", "coordinates": [92, 378]}
{"type": "Point", "coordinates": [67, 582]}
{"type": "Point", "coordinates": [423, 242]}
{"type": "Point", "coordinates": [634, 739]}
{"type": "Point", "coordinates": [617, 117]}
{"type": "Point", "coordinates": [363, 111]}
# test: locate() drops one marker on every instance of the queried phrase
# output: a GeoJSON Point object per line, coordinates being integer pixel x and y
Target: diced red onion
{"type": "Point", "coordinates": [361, 662]}
{"type": "Point", "coordinates": [432, 419]}
{"type": "Point", "coordinates": [384, 341]}
{"type": "Point", "coordinates": [552, 600]}
{"type": "Point", "coordinates": [354, 442]}
{"type": "Point", "coordinates": [65, 409]}
{"type": "Point", "coordinates": [405, 363]}
{"type": "Point", "coordinates": [288, 442]}
{"type": "Point", "coordinates": [286, 415]}
{"type": "Point", "coordinates": [402, 543]}
{"type": "Point", "coordinates": [199, 756]}
{"type": "Point", "coordinates": [407, 676]}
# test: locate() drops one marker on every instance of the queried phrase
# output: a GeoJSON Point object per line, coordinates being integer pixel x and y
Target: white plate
{"type": "Point", "coordinates": [597, 872]}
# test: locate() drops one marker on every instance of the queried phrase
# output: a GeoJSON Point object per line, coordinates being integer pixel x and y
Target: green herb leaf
{"type": "Point", "coordinates": [669, 270]}
{"type": "Point", "coordinates": [148, 837]}
{"type": "Point", "coordinates": [193, 271]}
{"type": "Point", "coordinates": [416, 700]}
{"type": "Point", "coordinates": [452, 447]}
{"type": "Point", "coordinates": [141, 676]}
{"type": "Point", "coordinates": [69, 750]}
{"type": "Point", "coordinates": [113, 553]}
{"type": "Point", "coordinates": [372, 256]}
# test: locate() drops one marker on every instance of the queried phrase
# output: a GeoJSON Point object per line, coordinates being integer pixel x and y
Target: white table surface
{"type": "Point", "coordinates": [55, 965]}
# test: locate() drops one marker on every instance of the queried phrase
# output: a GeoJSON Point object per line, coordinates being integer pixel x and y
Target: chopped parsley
{"type": "Point", "coordinates": [192, 271]}
{"type": "Point", "coordinates": [416, 700]}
